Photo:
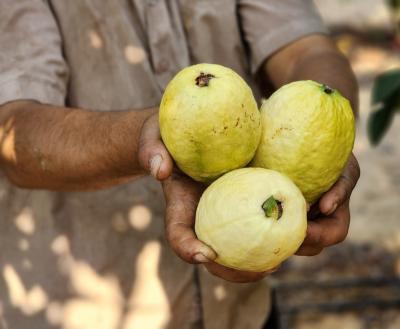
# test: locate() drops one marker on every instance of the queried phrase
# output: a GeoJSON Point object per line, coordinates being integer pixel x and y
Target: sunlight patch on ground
{"type": "Point", "coordinates": [140, 217]}
{"type": "Point", "coordinates": [148, 304]}
{"type": "Point", "coordinates": [29, 302]}
{"type": "Point", "coordinates": [25, 222]}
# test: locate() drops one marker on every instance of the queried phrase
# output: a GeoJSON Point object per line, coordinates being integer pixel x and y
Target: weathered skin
{"type": "Point", "coordinates": [308, 134]}
{"type": "Point", "coordinates": [231, 220]}
{"type": "Point", "coordinates": [209, 125]}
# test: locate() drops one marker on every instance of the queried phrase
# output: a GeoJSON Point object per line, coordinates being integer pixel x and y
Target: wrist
{"type": "Point", "coordinates": [125, 132]}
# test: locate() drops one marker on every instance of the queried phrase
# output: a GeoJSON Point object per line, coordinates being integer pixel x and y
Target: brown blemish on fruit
{"type": "Point", "coordinates": [280, 130]}
{"type": "Point", "coordinates": [276, 251]}
{"type": "Point", "coordinates": [204, 79]}
{"type": "Point", "coordinates": [237, 122]}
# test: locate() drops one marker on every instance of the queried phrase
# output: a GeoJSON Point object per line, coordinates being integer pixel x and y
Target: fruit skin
{"type": "Point", "coordinates": [210, 129]}
{"type": "Point", "coordinates": [308, 134]}
{"type": "Point", "coordinates": [230, 219]}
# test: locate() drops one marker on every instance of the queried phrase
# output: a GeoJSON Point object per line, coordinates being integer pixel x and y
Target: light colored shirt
{"type": "Point", "coordinates": [99, 260]}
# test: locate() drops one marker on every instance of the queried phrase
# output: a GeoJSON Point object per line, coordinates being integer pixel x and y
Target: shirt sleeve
{"type": "Point", "coordinates": [31, 61]}
{"type": "Point", "coordinates": [269, 25]}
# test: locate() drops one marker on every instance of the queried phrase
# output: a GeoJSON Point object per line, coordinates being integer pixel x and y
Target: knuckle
{"type": "Point", "coordinates": [343, 235]}
{"type": "Point", "coordinates": [335, 238]}
{"type": "Point", "coordinates": [341, 238]}
{"type": "Point", "coordinates": [142, 143]}
{"type": "Point", "coordinates": [169, 236]}
{"type": "Point", "coordinates": [143, 155]}
{"type": "Point", "coordinates": [183, 252]}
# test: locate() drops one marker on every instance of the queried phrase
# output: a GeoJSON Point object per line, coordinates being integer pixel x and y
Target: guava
{"type": "Point", "coordinates": [308, 134]}
{"type": "Point", "coordinates": [209, 121]}
{"type": "Point", "coordinates": [253, 218]}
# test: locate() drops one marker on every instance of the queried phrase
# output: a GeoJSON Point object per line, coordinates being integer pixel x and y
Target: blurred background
{"type": "Point", "coordinates": [356, 285]}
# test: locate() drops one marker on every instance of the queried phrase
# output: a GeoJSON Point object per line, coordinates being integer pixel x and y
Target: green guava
{"type": "Point", "coordinates": [209, 121]}
{"type": "Point", "coordinates": [253, 218]}
{"type": "Point", "coordinates": [308, 134]}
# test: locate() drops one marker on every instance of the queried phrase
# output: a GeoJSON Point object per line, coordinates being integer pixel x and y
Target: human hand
{"type": "Point", "coordinates": [153, 155]}
{"type": "Point", "coordinates": [182, 195]}
{"type": "Point", "coordinates": [329, 218]}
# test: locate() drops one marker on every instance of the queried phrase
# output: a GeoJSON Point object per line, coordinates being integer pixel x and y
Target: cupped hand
{"type": "Point", "coordinates": [329, 218]}
{"type": "Point", "coordinates": [182, 195]}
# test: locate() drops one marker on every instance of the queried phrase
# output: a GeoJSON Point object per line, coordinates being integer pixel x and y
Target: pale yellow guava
{"type": "Point", "coordinates": [209, 121]}
{"type": "Point", "coordinates": [308, 134]}
{"type": "Point", "coordinates": [253, 218]}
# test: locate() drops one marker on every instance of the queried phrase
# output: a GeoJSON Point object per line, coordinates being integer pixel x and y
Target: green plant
{"type": "Point", "coordinates": [386, 101]}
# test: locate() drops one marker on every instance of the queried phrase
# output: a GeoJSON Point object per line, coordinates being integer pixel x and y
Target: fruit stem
{"type": "Point", "coordinates": [203, 79]}
{"type": "Point", "coordinates": [272, 208]}
{"type": "Point", "coordinates": [327, 90]}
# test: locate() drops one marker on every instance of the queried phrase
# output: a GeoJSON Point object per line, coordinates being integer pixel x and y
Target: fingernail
{"type": "Point", "coordinates": [199, 257]}
{"type": "Point", "coordinates": [155, 164]}
{"type": "Point", "coordinates": [207, 252]}
{"type": "Point", "coordinates": [335, 205]}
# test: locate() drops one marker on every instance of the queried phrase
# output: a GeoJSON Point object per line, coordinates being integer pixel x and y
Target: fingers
{"type": "Point", "coordinates": [183, 241]}
{"type": "Point", "coordinates": [341, 190]}
{"type": "Point", "coordinates": [182, 196]}
{"type": "Point", "coordinates": [232, 275]}
{"type": "Point", "coordinates": [313, 235]}
{"type": "Point", "coordinates": [325, 232]}
{"type": "Point", "coordinates": [334, 229]}
{"type": "Point", "coordinates": [314, 211]}
{"type": "Point", "coordinates": [153, 155]}
{"type": "Point", "coordinates": [309, 251]}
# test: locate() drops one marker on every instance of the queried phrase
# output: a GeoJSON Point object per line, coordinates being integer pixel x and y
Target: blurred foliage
{"type": "Point", "coordinates": [386, 100]}
{"type": "Point", "coordinates": [394, 3]}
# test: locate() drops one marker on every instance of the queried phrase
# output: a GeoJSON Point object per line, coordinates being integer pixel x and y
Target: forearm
{"type": "Point", "coordinates": [56, 148]}
{"type": "Point", "coordinates": [314, 58]}
{"type": "Point", "coordinates": [331, 69]}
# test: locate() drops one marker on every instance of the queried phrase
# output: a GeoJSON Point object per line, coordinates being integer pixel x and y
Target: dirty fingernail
{"type": "Point", "coordinates": [155, 164]}
{"type": "Point", "coordinates": [199, 257]}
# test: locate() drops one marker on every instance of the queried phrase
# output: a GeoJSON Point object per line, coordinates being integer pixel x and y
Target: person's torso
{"type": "Point", "coordinates": [99, 259]}
{"type": "Point", "coordinates": [122, 53]}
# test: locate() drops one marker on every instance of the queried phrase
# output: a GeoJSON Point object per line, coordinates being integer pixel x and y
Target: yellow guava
{"type": "Point", "coordinates": [253, 218]}
{"type": "Point", "coordinates": [308, 134]}
{"type": "Point", "coordinates": [209, 121]}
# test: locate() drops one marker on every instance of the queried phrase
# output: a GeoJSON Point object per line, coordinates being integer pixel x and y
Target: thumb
{"type": "Point", "coordinates": [153, 155]}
